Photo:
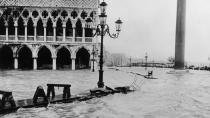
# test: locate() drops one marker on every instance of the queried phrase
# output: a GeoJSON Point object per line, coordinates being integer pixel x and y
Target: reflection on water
{"type": "Point", "coordinates": [170, 96]}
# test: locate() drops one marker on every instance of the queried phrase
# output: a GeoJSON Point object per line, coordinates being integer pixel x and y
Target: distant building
{"type": "Point", "coordinates": [47, 34]}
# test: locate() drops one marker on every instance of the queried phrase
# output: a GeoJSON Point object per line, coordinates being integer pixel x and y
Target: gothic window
{"type": "Point", "coordinates": [78, 29]}
{"type": "Point", "coordinates": [11, 27]}
{"type": "Point", "coordinates": [35, 14]}
{"type": "Point", "coordinates": [69, 29]}
{"type": "Point", "coordinates": [30, 27]}
{"type": "Point", "coordinates": [15, 14]}
{"type": "Point", "coordinates": [64, 14]}
{"type": "Point", "coordinates": [2, 25]}
{"type": "Point", "coordinates": [49, 27]}
{"type": "Point", "coordinates": [88, 29]}
{"type": "Point", "coordinates": [74, 14]}
{"type": "Point", "coordinates": [54, 14]}
{"type": "Point", "coordinates": [59, 28]}
{"type": "Point", "coordinates": [44, 14]}
{"type": "Point", "coordinates": [25, 13]}
{"type": "Point", "coordinates": [92, 14]}
{"type": "Point", "coordinates": [40, 28]}
{"type": "Point", "coordinates": [83, 15]}
{"type": "Point", "coordinates": [21, 28]}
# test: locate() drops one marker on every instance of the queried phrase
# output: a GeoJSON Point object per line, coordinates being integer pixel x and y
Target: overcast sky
{"type": "Point", "coordinates": [149, 26]}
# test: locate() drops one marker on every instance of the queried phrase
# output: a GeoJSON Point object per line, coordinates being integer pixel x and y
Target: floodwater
{"type": "Point", "coordinates": [169, 96]}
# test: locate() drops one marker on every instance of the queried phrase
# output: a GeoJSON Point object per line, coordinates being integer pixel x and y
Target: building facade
{"type": "Point", "coordinates": [47, 34]}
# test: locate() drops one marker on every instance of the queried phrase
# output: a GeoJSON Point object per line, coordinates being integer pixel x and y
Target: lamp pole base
{"type": "Point", "coordinates": [100, 82]}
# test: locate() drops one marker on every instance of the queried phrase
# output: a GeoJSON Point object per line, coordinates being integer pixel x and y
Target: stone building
{"type": "Point", "coordinates": [47, 34]}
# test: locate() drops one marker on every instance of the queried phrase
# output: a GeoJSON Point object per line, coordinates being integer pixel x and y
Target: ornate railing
{"type": "Point", "coordinates": [59, 38]}
{"type": "Point", "coordinates": [49, 38]}
{"type": "Point", "coordinates": [21, 38]}
{"type": "Point", "coordinates": [88, 39]}
{"type": "Point", "coordinates": [2, 37]}
{"type": "Point", "coordinates": [78, 39]}
{"type": "Point", "coordinates": [11, 37]}
{"type": "Point", "coordinates": [69, 39]}
{"type": "Point", "coordinates": [40, 38]}
{"type": "Point", "coordinates": [30, 38]}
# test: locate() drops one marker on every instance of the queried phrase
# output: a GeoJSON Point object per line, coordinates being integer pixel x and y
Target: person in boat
{"type": "Point", "coordinates": [150, 74]}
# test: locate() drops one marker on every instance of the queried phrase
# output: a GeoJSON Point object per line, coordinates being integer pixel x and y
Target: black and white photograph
{"type": "Point", "coordinates": [104, 59]}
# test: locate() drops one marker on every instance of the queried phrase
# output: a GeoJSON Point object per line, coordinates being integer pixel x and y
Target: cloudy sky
{"type": "Point", "coordinates": [149, 26]}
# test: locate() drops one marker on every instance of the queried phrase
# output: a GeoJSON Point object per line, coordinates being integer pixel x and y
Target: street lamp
{"type": "Point", "coordinates": [101, 30]}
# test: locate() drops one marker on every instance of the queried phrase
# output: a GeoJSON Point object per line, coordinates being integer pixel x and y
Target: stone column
{"type": "Point", "coordinates": [91, 64]}
{"type": "Point", "coordinates": [180, 35]}
{"type": "Point", "coordinates": [45, 32]}
{"type": "Point", "coordinates": [54, 31]}
{"type": "Point", "coordinates": [64, 31]}
{"type": "Point", "coordinates": [16, 62]}
{"type": "Point", "coordinates": [16, 30]}
{"type": "Point", "coordinates": [7, 31]}
{"type": "Point", "coordinates": [83, 32]}
{"type": "Point", "coordinates": [35, 33]}
{"type": "Point", "coordinates": [74, 32]}
{"type": "Point", "coordinates": [54, 63]}
{"type": "Point", "coordinates": [73, 63]}
{"type": "Point", "coordinates": [35, 63]}
{"type": "Point", "coordinates": [26, 33]}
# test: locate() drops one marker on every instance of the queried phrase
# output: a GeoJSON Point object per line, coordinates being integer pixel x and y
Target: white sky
{"type": "Point", "coordinates": [149, 26]}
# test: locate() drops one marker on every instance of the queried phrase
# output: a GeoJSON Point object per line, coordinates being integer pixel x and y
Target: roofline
{"type": "Point", "coordinates": [53, 7]}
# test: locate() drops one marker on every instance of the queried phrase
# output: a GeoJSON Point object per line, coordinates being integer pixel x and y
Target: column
{"type": "Point", "coordinates": [15, 62]}
{"type": "Point", "coordinates": [35, 33]}
{"type": "Point", "coordinates": [54, 33]}
{"type": "Point", "coordinates": [74, 31]}
{"type": "Point", "coordinates": [45, 33]}
{"type": "Point", "coordinates": [7, 31]}
{"type": "Point", "coordinates": [180, 35]}
{"type": "Point", "coordinates": [73, 63]}
{"type": "Point", "coordinates": [26, 33]}
{"type": "Point", "coordinates": [35, 63]}
{"type": "Point", "coordinates": [54, 63]}
{"type": "Point", "coordinates": [83, 32]}
{"type": "Point", "coordinates": [91, 64]}
{"type": "Point", "coordinates": [16, 30]}
{"type": "Point", "coordinates": [64, 33]}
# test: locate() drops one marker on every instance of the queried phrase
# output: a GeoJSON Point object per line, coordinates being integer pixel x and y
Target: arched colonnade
{"type": "Point", "coordinates": [45, 57]}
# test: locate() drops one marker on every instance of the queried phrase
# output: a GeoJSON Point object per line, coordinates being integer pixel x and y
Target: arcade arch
{"type": "Point", "coordinates": [63, 59]}
{"type": "Point", "coordinates": [44, 60]}
{"type": "Point", "coordinates": [25, 60]}
{"type": "Point", "coordinates": [6, 57]}
{"type": "Point", "coordinates": [82, 59]}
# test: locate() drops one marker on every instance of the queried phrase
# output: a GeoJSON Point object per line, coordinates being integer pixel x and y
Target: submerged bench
{"type": "Point", "coordinates": [66, 90]}
{"type": "Point", "coordinates": [40, 99]}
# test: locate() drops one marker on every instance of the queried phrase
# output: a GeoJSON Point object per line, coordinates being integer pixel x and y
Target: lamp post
{"type": "Point", "coordinates": [101, 30]}
{"type": "Point", "coordinates": [94, 52]}
{"type": "Point", "coordinates": [146, 57]}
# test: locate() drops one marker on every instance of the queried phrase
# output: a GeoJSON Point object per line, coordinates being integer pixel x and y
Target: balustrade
{"type": "Point", "coordinates": [68, 39]}
{"type": "Point", "coordinates": [78, 39]}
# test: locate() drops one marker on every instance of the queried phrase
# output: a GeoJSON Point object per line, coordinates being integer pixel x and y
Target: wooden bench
{"type": "Point", "coordinates": [66, 90]}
